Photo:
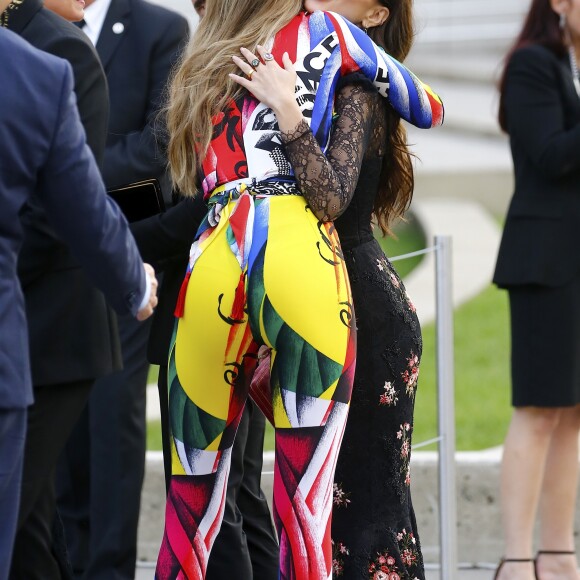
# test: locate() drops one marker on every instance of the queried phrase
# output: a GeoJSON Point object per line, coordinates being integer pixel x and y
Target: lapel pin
{"type": "Point", "coordinates": [118, 27]}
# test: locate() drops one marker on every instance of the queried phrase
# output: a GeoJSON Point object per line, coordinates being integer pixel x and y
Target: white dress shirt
{"type": "Point", "coordinates": [95, 15]}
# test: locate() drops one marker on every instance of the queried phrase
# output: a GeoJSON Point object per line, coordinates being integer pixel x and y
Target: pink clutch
{"type": "Point", "coordinates": [260, 390]}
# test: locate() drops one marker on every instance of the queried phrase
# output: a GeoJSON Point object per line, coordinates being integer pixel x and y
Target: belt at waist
{"type": "Point", "coordinates": [241, 240]}
{"type": "Point", "coordinates": [233, 190]}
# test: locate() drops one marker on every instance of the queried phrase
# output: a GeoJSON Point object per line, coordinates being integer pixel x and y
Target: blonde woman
{"type": "Point", "coordinates": [267, 266]}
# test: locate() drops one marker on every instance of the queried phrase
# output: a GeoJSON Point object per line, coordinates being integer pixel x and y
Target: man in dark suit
{"type": "Point", "coordinates": [74, 341]}
{"type": "Point", "coordinates": [43, 155]}
{"type": "Point", "coordinates": [100, 474]}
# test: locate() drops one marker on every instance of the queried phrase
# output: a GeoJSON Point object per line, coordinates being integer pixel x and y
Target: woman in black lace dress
{"type": "Point", "coordinates": [369, 172]}
{"type": "Point", "coordinates": [373, 528]}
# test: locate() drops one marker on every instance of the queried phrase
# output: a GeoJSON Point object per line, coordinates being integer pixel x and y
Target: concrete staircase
{"type": "Point", "coordinates": [458, 51]}
{"type": "Point", "coordinates": [472, 23]}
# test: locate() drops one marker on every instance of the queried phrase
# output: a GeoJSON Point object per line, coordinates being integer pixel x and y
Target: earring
{"type": "Point", "coordinates": [366, 30]}
{"type": "Point", "coordinates": [562, 21]}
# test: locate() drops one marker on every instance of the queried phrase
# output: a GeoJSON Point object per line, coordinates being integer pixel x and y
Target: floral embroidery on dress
{"type": "Point", "coordinates": [339, 551]}
{"type": "Point", "coordinates": [388, 280]}
{"type": "Point", "coordinates": [404, 435]}
{"type": "Point", "coordinates": [384, 567]}
{"type": "Point", "coordinates": [386, 389]}
{"type": "Point", "coordinates": [411, 375]}
{"type": "Point", "coordinates": [340, 497]}
{"type": "Point", "coordinates": [383, 264]}
{"type": "Point", "coordinates": [408, 548]}
{"type": "Point", "coordinates": [389, 397]}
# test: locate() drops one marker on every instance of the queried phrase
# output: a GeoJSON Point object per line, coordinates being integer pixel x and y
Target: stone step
{"type": "Point", "coordinates": [479, 518]}
{"type": "Point", "coordinates": [454, 23]}
{"type": "Point", "coordinates": [459, 164]}
{"type": "Point", "coordinates": [475, 66]}
{"type": "Point", "coordinates": [464, 24]}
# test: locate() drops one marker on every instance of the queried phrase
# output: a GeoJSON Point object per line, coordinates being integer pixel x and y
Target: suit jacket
{"type": "Point", "coordinates": [76, 339]}
{"type": "Point", "coordinates": [138, 45]}
{"type": "Point", "coordinates": [541, 239]}
{"type": "Point", "coordinates": [164, 241]}
{"type": "Point", "coordinates": [43, 152]}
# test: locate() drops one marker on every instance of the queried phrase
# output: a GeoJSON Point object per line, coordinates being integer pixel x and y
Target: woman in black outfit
{"type": "Point", "coordinates": [373, 527]}
{"type": "Point", "coordinates": [539, 264]}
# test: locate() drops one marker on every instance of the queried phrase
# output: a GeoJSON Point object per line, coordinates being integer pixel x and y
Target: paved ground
{"type": "Point", "coordinates": [146, 573]}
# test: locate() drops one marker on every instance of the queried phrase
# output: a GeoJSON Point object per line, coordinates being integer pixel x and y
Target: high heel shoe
{"type": "Point", "coordinates": [550, 553]}
{"type": "Point", "coordinates": [514, 561]}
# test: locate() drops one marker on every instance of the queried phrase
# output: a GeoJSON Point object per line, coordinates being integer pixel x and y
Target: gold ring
{"type": "Point", "coordinates": [249, 75]}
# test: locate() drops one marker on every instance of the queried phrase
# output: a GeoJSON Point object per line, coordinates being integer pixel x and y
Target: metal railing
{"type": "Point", "coordinates": [448, 555]}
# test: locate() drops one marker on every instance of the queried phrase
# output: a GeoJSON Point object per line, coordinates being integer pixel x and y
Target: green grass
{"type": "Point", "coordinates": [154, 436]}
{"type": "Point", "coordinates": [153, 375]}
{"type": "Point", "coordinates": [481, 365]}
{"type": "Point", "coordinates": [482, 406]}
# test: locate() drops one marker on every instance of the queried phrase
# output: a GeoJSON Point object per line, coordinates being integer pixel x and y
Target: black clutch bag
{"type": "Point", "coordinates": [139, 200]}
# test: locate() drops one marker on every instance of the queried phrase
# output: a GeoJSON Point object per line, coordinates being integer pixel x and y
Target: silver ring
{"type": "Point", "coordinates": [268, 56]}
{"type": "Point", "coordinates": [255, 63]}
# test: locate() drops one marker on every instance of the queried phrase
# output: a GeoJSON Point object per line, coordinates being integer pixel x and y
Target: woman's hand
{"type": "Point", "coordinates": [267, 80]}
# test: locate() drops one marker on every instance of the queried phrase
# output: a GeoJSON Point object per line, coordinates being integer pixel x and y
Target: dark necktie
{"type": "Point", "coordinates": [80, 24]}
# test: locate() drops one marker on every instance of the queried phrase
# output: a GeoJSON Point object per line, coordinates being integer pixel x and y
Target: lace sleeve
{"type": "Point", "coordinates": [328, 183]}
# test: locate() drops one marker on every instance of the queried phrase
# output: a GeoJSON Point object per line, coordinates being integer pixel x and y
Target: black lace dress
{"type": "Point", "coordinates": [374, 530]}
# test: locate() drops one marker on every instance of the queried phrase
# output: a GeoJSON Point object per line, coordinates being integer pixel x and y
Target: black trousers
{"type": "Point", "coordinates": [100, 473]}
{"type": "Point", "coordinates": [246, 546]}
{"type": "Point", "coordinates": [51, 419]}
{"type": "Point", "coordinates": [12, 437]}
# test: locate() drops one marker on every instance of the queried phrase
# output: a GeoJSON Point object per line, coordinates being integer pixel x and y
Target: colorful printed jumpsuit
{"type": "Point", "coordinates": [265, 270]}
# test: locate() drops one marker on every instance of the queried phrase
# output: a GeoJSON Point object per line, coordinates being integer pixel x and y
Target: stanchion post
{"type": "Point", "coordinates": [446, 408]}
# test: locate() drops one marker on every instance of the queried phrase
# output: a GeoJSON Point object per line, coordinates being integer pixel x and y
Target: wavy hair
{"type": "Point", "coordinates": [200, 87]}
{"type": "Point", "coordinates": [397, 181]}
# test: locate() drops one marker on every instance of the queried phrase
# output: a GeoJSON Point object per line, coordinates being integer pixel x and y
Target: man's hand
{"type": "Point", "coordinates": [147, 310]}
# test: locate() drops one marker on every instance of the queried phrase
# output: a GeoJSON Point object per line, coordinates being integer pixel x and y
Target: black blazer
{"type": "Point", "coordinates": [541, 239]}
{"type": "Point", "coordinates": [43, 151]}
{"type": "Point", "coordinates": [164, 241]}
{"type": "Point", "coordinates": [73, 336]}
{"type": "Point", "coordinates": [138, 45]}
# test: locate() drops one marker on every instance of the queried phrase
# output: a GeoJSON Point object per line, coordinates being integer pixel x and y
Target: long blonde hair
{"type": "Point", "coordinates": [200, 87]}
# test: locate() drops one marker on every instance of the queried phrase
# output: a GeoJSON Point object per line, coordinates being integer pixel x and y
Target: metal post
{"type": "Point", "coordinates": [446, 409]}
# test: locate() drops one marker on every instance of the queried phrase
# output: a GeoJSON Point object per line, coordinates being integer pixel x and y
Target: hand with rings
{"type": "Point", "coordinates": [266, 79]}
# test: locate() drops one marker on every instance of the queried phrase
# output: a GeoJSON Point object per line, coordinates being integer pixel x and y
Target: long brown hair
{"type": "Point", "coordinates": [540, 27]}
{"type": "Point", "coordinates": [200, 87]}
{"type": "Point", "coordinates": [397, 180]}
